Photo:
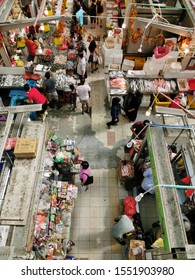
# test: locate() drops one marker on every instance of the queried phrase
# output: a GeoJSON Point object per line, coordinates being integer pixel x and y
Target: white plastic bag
{"type": "Point", "coordinates": [183, 101]}
{"type": "Point", "coordinates": [100, 60]}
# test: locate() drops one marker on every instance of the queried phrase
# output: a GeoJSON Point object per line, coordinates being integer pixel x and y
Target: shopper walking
{"type": "Point", "coordinates": [93, 56]}
{"type": "Point", "coordinates": [81, 66]}
{"type": "Point", "coordinates": [84, 173]}
{"type": "Point", "coordinates": [131, 105]}
{"type": "Point", "coordinates": [49, 87]}
{"type": "Point", "coordinates": [123, 224]}
{"type": "Point", "coordinates": [83, 92]}
{"type": "Point", "coordinates": [100, 11]}
{"type": "Point", "coordinates": [115, 111]}
{"type": "Point", "coordinates": [93, 13]}
{"type": "Point", "coordinates": [73, 97]}
{"type": "Point", "coordinates": [34, 96]}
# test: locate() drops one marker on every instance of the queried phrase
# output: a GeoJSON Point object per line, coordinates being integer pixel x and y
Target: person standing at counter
{"type": "Point", "coordinates": [31, 46]}
{"type": "Point", "coordinates": [34, 96]}
{"type": "Point", "coordinates": [49, 86]}
{"type": "Point", "coordinates": [131, 105]}
{"type": "Point", "coordinates": [115, 112]}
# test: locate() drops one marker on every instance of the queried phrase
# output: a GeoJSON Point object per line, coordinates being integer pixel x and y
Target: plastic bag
{"type": "Point", "coordinates": [10, 143]}
{"type": "Point", "coordinates": [160, 52]}
{"type": "Point", "coordinates": [183, 101]}
{"type": "Point", "coordinates": [130, 206]}
{"type": "Point", "coordinates": [100, 60]}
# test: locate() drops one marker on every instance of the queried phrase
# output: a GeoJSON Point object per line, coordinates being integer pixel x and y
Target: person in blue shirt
{"type": "Point", "coordinates": [79, 16]}
{"type": "Point", "coordinates": [115, 111]}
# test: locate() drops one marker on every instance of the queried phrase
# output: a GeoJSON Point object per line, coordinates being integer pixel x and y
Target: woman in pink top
{"type": "Point", "coordinates": [34, 96]}
{"type": "Point", "coordinates": [84, 173]}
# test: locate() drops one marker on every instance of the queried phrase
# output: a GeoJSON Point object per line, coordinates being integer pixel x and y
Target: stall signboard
{"type": "Point", "coordinates": [157, 194]}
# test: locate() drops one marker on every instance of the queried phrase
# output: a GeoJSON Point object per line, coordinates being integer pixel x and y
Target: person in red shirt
{"type": "Point", "coordinates": [31, 46]}
{"type": "Point", "coordinates": [34, 96]}
{"type": "Point", "coordinates": [139, 129]}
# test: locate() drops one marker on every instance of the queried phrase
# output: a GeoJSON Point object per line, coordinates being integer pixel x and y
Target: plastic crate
{"type": "Point", "coordinates": [161, 101]}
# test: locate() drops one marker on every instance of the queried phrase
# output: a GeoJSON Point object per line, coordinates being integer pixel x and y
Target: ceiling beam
{"type": "Point", "coordinates": [6, 26]}
{"type": "Point", "coordinates": [180, 30]}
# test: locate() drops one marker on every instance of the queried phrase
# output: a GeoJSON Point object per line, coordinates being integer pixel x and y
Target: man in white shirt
{"type": "Point", "coordinates": [83, 92]}
{"type": "Point", "coordinates": [81, 66]}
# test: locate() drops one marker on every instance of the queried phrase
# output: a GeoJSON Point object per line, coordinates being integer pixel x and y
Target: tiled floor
{"type": "Point", "coordinates": [95, 209]}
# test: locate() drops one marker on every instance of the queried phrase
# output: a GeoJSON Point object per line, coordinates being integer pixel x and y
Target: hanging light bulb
{"type": "Point", "coordinates": [123, 25]}
{"type": "Point", "coordinates": [148, 112]}
{"type": "Point", "coordinates": [41, 27]}
{"type": "Point", "coordinates": [140, 49]}
{"type": "Point", "coordinates": [186, 50]}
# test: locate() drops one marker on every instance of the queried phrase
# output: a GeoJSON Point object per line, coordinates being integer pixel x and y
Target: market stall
{"type": "Point", "coordinates": [37, 222]}
{"type": "Point", "coordinates": [164, 149]}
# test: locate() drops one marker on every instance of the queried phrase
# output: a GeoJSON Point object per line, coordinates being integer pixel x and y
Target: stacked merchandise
{"type": "Point", "coordinates": [53, 220]}
{"type": "Point", "coordinates": [71, 60]}
{"type": "Point", "coordinates": [56, 200]}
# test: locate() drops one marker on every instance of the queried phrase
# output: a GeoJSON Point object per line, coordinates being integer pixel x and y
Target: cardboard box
{"type": "Point", "coordinates": [128, 65]}
{"type": "Point", "coordinates": [125, 169]}
{"type": "Point", "coordinates": [26, 147]}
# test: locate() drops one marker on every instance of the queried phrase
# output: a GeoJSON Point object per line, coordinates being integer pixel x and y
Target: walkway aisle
{"type": "Point", "coordinates": [96, 208]}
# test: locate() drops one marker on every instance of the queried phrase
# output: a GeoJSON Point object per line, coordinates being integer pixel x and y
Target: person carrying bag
{"type": "Point", "coordinates": [85, 175]}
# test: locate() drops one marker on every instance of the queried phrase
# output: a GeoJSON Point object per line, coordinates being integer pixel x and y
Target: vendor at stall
{"type": "Point", "coordinates": [139, 128]}
{"type": "Point", "coordinates": [31, 46]}
{"type": "Point", "coordinates": [34, 96]}
{"type": "Point", "coordinates": [123, 224]}
{"type": "Point", "coordinates": [49, 87]}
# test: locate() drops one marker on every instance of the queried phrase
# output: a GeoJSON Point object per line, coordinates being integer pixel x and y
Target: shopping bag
{"type": "Point", "coordinates": [89, 181]}
{"type": "Point", "coordinates": [99, 60]}
{"type": "Point", "coordinates": [10, 143]}
{"type": "Point", "coordinates": [183, 101]}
